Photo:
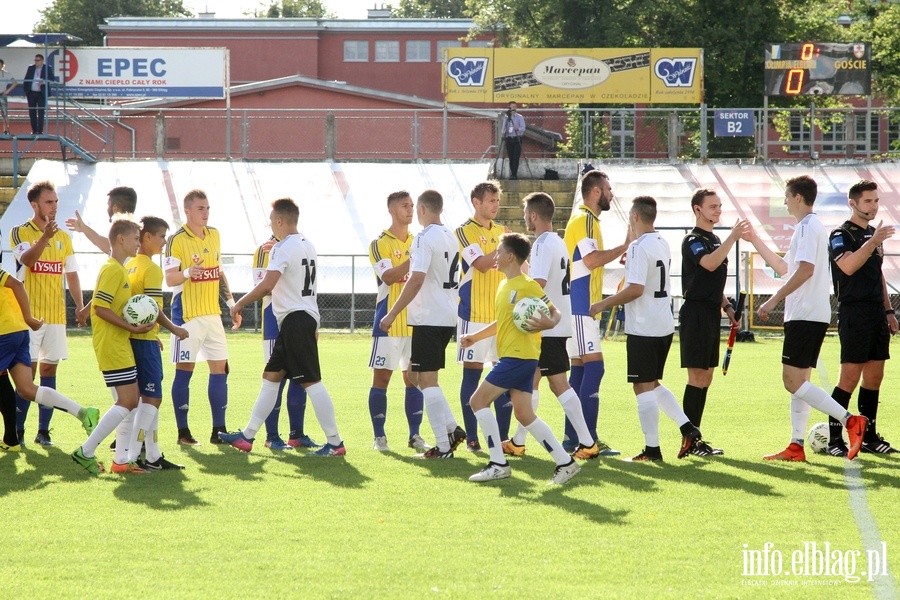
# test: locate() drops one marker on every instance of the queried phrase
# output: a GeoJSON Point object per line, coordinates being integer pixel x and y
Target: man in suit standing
{"type": "Point", "coordinates": [37, 77]}
{"type": "Point", "coordinates": [513, 128]}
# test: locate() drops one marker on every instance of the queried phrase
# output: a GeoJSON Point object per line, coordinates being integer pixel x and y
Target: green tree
{"type": "Point", "coordinates": [430, 9]}
{"type": "Point", "coordinates": [294, 9]}
{"type": "Point", "coordinates": [82, 18]}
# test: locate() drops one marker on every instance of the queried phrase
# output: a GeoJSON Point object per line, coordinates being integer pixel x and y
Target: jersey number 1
{"type": "Point", "coordinates": [662, 293]}
{"type": "Point", "coordinates": [309, 280]}
{"type": "Point", "coordinates": [454, 269]}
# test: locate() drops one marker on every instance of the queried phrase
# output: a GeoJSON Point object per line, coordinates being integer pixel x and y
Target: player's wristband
{"type": "Point", "coordinates": [889, 312]}
{"type": "Point", "coordinates": [187, 273]}
{"type": "Point", "coordinates": [229, 302]}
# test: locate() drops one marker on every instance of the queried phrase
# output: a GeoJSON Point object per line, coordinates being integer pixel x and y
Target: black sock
{"type": "Point", "coordinates": [834, 426]}
{"type": "Point", "coordinates": [868, 407]}
{"type": "Point", "coordinates": [652, 451]}
{"type": "Point", "coordinates": [694, 402]}
{"type": "Point", "coordinates": [687, 428]}
{"type": "Point", "coordinates": [8, 409]}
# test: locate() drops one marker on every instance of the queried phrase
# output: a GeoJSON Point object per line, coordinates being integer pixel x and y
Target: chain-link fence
{"type": "Point", "coordinates": [464, 134]}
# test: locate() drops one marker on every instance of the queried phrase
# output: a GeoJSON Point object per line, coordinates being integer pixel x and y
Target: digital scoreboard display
{"type": "Point", "coordinates": [818, 69]}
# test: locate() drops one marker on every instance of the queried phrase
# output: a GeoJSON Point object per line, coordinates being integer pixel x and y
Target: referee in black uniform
{"type": "Point", "coordinates": [704, 269]}
{"type": "Point", "coordinates": [866, 318]}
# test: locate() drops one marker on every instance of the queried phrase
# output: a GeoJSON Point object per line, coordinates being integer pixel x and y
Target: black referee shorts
{"type": "Point", "coordinates": [296, 351]}
{"type": "Point", "coordinates": [864, 332]}
{"type": "Point", "coordinates": [699, 331]}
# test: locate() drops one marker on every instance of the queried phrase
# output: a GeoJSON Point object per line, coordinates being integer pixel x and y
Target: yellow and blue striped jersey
{"type": "Point", "coordinates": [199, 295]}
{"type": "Point", "coordinates": [112, 291]}
{"type": "Point", "coordinates": [260, 264]}
{"type": "Point", "coordinates": [44, 279]}
{"type": "Point", "coordinates": [11, 319]}
{"type": "Point", "coordinates": [145, 277]}
{"type": "Point", "coordinates": [386, 252]}
{"type": "Point", "coordinates": [477, 289]}
{"type": "Point", "coordinates": [583, 237]}
{"type": "Point", "coordinates": [511, 341]}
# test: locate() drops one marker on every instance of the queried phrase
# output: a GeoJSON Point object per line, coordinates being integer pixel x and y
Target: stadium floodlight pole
{"type": "Point", "coordinates": [738, 312]}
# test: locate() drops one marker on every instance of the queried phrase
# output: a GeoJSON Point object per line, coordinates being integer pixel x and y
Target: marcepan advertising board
{"type": "Point", "coordinates": [574, 75]}
{"type": "Point", "coordinates": [127, 72]}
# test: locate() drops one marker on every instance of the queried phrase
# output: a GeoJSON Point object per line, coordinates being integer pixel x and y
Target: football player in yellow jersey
{"type": "Point", "coordinates": [296, 395]}
{"type": "Point", "coordinates": [15, 356]}
{"type": "Point", "coordinates": [585, 244]}
{"type": "Point", "coordinates": [514, 372]}
{"type": "Point", "coordinates": [111, 346]}
{"type": "Point", "coordinates": [44, 257]}
{"type": "Point", "coordinates": [193, 268]}
{"type": "Point", "coordinates": [479, 278]}
{"type": "Point", "coordinates": [146, 277]}
{"type": "Point", "coordinates": [389, 255]}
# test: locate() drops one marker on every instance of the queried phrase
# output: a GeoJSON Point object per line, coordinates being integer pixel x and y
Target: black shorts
{"type": "Point", "coordinates": [864, 333]}
{"type": "Point", "coordinates": [554, 356]}
{"type": "Point", "coordinates": [647, 357]}
{"type": "Point", "coordinates": [700, 335]}
{"type": "Point", "coordinates": [429, 347]}
{"type": "Point", "coordinates": [296, 351]}
{"type": "Point", "coordinates": [802, 342]}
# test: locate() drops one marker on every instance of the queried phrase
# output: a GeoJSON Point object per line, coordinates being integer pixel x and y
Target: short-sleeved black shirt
{"type": "Point", "coordinates": [865, 284]}
{"type": "Point", "coordinates": [698, 284]}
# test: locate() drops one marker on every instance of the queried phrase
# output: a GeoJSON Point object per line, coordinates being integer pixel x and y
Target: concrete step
{"type": "Point", "coordinates": [7, 194]}
{"type": "Point", "coordinates": [6, 181]}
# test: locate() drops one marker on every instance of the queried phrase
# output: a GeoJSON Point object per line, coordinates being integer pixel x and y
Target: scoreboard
{"type": "Point", "coordinates": [818, 69]}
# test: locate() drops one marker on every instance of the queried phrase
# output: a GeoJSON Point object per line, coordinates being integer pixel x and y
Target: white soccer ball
{"type": "Point", "coordinates": [818, 437]}
{"type": "Point", "coordinates": [140, 310]}
{"type": "Point", "coordinates": [525, 308]}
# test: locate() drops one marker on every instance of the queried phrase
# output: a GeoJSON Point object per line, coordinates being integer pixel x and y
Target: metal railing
{"type": "Point", "coordinates": [860, 133]}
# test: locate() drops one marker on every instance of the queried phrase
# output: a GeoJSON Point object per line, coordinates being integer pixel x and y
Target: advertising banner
{"type": "Point", "coordinates": [575, 75]}
{"type": "Point", "coordinates": [128, 72]}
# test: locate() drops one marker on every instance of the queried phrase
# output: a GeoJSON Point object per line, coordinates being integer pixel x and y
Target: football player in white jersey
{"type": "Point", "coordinates": [650, 325]}
{"type": "Point", "coordinates": [807, 314]}
{"type": "Point", "coordinates": [431, 294]}
{"type": "Point", "coordinates": [291, 281]}
{"type": "Point", "coordinates": [549, 267]}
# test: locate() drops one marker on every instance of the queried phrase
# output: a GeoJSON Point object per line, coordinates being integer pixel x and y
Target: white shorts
{"type": "Point", "coordinates": [585, 336]}
{"type": "Point", "coordinates": [391, 353]}
{"type": "Point", "coordinates": [482, 352]}
{"type": "Point", "coordinates": [206, 341]}
{"type": "Point", "coordinates": [268, 346]}
{"type": "Point", "coordinates": [48, 344]}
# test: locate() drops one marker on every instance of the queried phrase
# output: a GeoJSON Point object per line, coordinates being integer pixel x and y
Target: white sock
{"type": "Point", "coordinates": [262, 408]}
{"type": "Point", "coordinates": [135, 435]}
{"type": "Point", "coordinates": [491, 430]}
{"type": "Point", "coordinates": [799, 419]}
{"type": "Point", "coordinates": [819, 398]}
{"type": "Point", "coordinates": [147, 421]}
{"type": "Point", "coordinates": [521, 431]}
{"type": "Point", "coordinates": [434, 400]}
{"type": "Point", "coordinates": [324, 409]}
{"type": "Point", "coordinates": [52, 399]}
{"type": "Point", "coordinates": [648, 414]}
{"type": "Point", "coordinates": [571, 405]}
{"type": "Point", "coordinates": [544, 435]}
{"type": "Point", "coordinates": [108, 422]}
{"type": "Point", "coordinates": [449, 420]}
{"type": "Point", "coordinates": [123, 438]}
{"type": "Point", "coordinates": [668, 403]}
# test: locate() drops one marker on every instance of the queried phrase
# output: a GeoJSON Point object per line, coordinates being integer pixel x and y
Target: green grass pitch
{"type": "Point", "coordinates": [388, 526]}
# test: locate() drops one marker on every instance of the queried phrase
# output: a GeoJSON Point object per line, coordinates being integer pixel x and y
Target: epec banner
{"type": "Point", "coordinates": [574, 75]}
{"type": "Point", "coordinates": [92, 72]}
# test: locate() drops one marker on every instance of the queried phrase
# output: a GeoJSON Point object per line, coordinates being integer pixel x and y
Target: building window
{"type": "Point", "coordinates": [874, 126]}
{"type": "Point", "coordinates": [622, 133]}
{"type": "Point", "coordinates": [442, 44]}
{"type": "Point", "coordinates": [832, 140]}
{"type": "Point", "coordinates": [851, 128]}
{"type": "Point", "coordinates": [481, 44]}
{"type": "Point", "coordinates": [799, 133]}
{"type": "Point", "coordinates": [418, 51]}
{"type": "Point", "coordinates": [356, 51]}
{"type": "Point", "coordinates": [387, 51]}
